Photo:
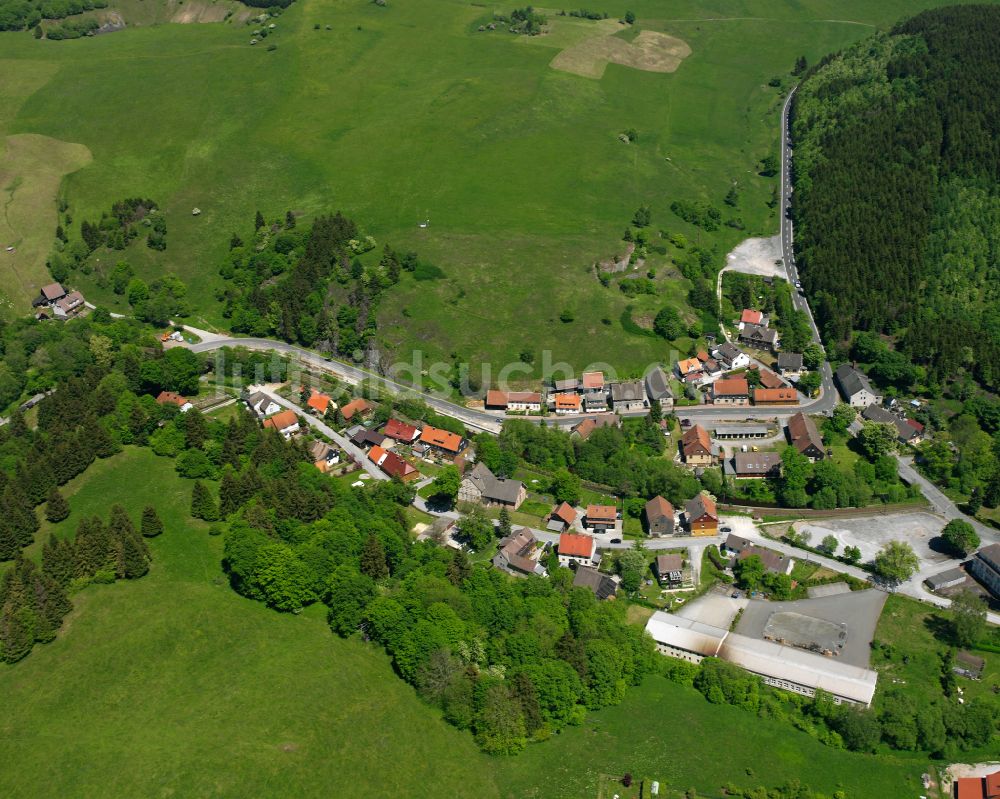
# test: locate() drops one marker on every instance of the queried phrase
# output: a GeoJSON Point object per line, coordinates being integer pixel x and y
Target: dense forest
{"type": "Point", "coordinates": [16, 15]}
{"type": "Point", "coordinates": [896, 162]}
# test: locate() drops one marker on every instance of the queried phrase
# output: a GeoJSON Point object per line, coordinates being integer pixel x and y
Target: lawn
{"type": "Point", "coordinates": [405, 113]}
{"type": "Point", "coordinates": [174, 685]}
{"type": "Point", "coordinates": [669, 733]}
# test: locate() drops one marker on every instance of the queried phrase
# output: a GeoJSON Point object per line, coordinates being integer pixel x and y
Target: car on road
{"type": "Point", "coordinates": [616, 540]}
{"type": "Point", "coordinates": [725, 529]}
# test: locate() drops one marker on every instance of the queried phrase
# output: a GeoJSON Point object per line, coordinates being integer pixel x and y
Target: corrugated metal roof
{"type": "Point", "coordinates": [687, 634]}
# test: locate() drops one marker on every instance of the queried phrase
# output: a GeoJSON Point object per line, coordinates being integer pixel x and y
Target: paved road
{"type": "Point", "coordinates": [356, 452]}
{"type": "Point", "coordinates": [944, 506]}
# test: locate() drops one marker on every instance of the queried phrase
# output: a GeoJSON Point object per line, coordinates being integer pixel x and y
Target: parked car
{"type": "Point", "coordinates": [725, 529]}
{"type": "Point", "coordinates": [616, 540]}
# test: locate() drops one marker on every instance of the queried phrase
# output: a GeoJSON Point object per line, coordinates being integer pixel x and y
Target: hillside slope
{"type": "Point", "coordinates": [897, 157]}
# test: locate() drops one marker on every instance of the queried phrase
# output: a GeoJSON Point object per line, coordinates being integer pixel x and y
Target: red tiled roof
{"type": "Point", "coordinates": [731, 387]}
{"type": "Point", "coordinates": [318, 402]}
{"type": "Point", "coordinates": [658, 506]}
{"type": "Point", "coordinates": [281, 420]}
{"type": "Point", "coordinates": [496, 398]}
{"type": "Point", "coordinates": [441, 438]}
{"type": "Point", "coordinates": [524, 396]}
{"type": "Point", "coordinates": [394, 466]}
{"type": "Point", "coordinates": [695, 438]}
{"type": "Point", "coordinates": [769, 379]}
{"type": "Point", "coordinates": [401, 431]}
{"type": "Point", "coordinates": [565, 512]}
{"type": "Point", "coordinates": [785, 395]}
{"type": "Point", "coordinates": [169, 396]}
{"type": "Point", "coordinates": [601, 513]}
{"type": "Point", "coordinates": [971, 788]}
{"type": "Point", "coordinates": [565, 402]}
{"type": "Point", "coordinates": [702, 356]}
{"type": "Point", "coordinates": [993, 784]}
{"type": "Point", "coordinates": [593, 379]}
{"type": "Point", "coordinates": [376, 453]}
{"type": "Point", "coordinates": [751, 317]}
{"type": "Point", "coordinates": [358, 405]}
{"type": "Point", "coordinates": [579, 546]}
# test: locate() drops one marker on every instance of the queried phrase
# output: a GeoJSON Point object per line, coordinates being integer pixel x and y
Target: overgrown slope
{"type": "Point", "coordinates": [897, 157]}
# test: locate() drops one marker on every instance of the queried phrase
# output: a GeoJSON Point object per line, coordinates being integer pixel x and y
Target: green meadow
{"type": "Point", "coordinates": [173, 685]}
{"type": "Point", "coordinates": [407, 113]}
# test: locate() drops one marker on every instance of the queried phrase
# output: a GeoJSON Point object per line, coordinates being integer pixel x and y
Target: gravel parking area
{"type": "Point", "coordinates": [869, 534]}
{"type": "Point", "coordinates": [717, 609]}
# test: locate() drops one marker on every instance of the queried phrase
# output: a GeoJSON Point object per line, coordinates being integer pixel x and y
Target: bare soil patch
{"type": "Point", "coordinates": [650, 51]}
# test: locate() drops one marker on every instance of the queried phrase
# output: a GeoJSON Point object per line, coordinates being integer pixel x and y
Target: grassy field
{"type": "Point", "coordinates": [173, 685]}
{"type": "Point", "coordinates": [406, 113]}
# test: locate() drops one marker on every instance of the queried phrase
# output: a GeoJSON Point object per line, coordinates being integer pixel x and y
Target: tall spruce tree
{"type": "Point", "coordinates": [202, 504]}
{"type": "Point", "coordinates": [373, 559]}
{"type": "Point", "coordinates": [57, 560]}
{"type": "Point", "coordinates": [151, 524]}
{"type": "Point", "coordinates": [56, 508]}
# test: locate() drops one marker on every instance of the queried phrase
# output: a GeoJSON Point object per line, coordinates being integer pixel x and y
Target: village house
{"type": "Point", "coordinates": [906, 431]}
{"type": "Point", "coordinates": [318, 403]}
{"type": "Point", "coordinates": [401, 431]}
{"type": "Point", "coordinates": [769, 379]}
{"type": "Point", "coordinates": [658, 388]}
{"type": "Point", "coordinates": [481, 486]}
{"type": "Point", "coordinates": [564, 404]}
{"type": "Point", "coordinates": [49, 294]}
{"type": "Point", "coordinates": [751, 317]}
{"type": "Point", "coordinates": [790, 364]}
{"type": "Point", "coordinates": [855, 387]}
{"type": "Point", "coordinates": [740, 548]}
{"type": "Point", "coordinates": [804, 436]}
{"type": "Point", "coordinates": [521, 554]}
{"type": "Point", "coordinates": [628, 396]}
{"type": "Point", "coordinates": [261, 404]}
{"type": "Point", "coordinates": [689, 369]}
{"type": "Point", "coordinates": [578, 549]}
{"type": "Point", "coordinates": [659, 515]}
{"type": "Point", "coordinates": [595, 395]}
{"type": "Point", "coordinates": [603, 586]}
{"type": "Point", "coordinates": [285, 422]}
{"type": "Point", "coordinates": [601, 518]}
{"type": "Point", "coordinates": [670, 570]}
{"type": "Point", "coordinates": [985, 567]}
{"type": "Point", "coordinates": [442, 440]}
{"type": "Point", "coordinates": [169, 397]}
{"type": "Point", "coordinates": [761, 338]}
{"type": "Point", "coordinates": [567, 385]}
{"type": "Point", "coordinates": [323, 455]}
{"type": "Point", "coordinates": [753, 465]}
{"type": "Point", "coordinates": [701, 515]}
{"type": "Point", "coordinates": [731, 357]}
{"type": "Point", "coordinates": [362, 437]}
{"type": "Point", "coordinates": [775, 396]}
{"type": "Point", "coordinates": [561, 518]}
{"type": "Point", "coordinates": [393, 465]}
{"type": "Point", "coordinates": [584, 428]}
{"type": "Point", "coordinates": [69, 305]}
{"type": "Point", "coordinates": [987, 787]}
{"type": "Point", "coordinates": [731, 391]}
{"type": "Point", "coordinates": [513, 400]}
{"type": "Point", "coordinates": [696, 447]}
{"type": "Point", "coordinates": [358, 407]}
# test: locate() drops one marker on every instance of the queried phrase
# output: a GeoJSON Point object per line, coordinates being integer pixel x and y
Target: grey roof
{"type": "Point", "coordinates": [498, 489]}
{"type": "Point", "coordinates": [728, 351]}
{"type": "Point", "coordinates": [569, 384]}
{"type": "Point", "coordinates": [669, 563]}
{"type": "Point", "coordinates": [790, 360]}
{"type": "Point", "coordinates": [756, 463]}
{"type": "Point", "coordinates": [946, 579]}
{"type": "Point", "coordinates": [257, 398]}
{"type": "Point", "coordinates": [658, 384]}
{"type": "Point", "coordinates": [990, 555]}
{"type": "Point", "coordinates": [520, 551]}
{"type": "Point", "coordinates": [758, 333]}
{"type": "Point", "coordinates": [873, 413]}
{"type": "Point", "coordinates": [851, 381]}
{"type": "Point", "coordinates": [741, 430]}
{"type": "Point", "coordinates": [628, 391]}
{"type": "Point", "coordinates": [601, 584]}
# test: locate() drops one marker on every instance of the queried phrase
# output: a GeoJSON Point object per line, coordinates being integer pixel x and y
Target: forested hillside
{"type": "Point", "coordinates": [896, 162]}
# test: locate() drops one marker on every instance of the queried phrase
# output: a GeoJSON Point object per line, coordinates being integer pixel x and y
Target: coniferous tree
{"type": "Point", "coordinates": [373, 562]}
{"type": "Point", "coordinates": [202, 504]}
{"type": "Point", "coordinates": [230, 493]}
{"type": "Point", "coordinates": [135, 560]}
{"type": "Point", "coordinates": [151, 525]}
{"type": "Point", "coordinates": [504, 528]}
{"type": "Point", "coordinates": [258, 221]}
{"type": "Point", "coordinates": [289, 220]}
{"type": "Point", "coordinates": [56, 508]}
{"type": "Point", "coordinates": [10, 542]}
{"type": "Point", "coordinates": [57, 560]}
